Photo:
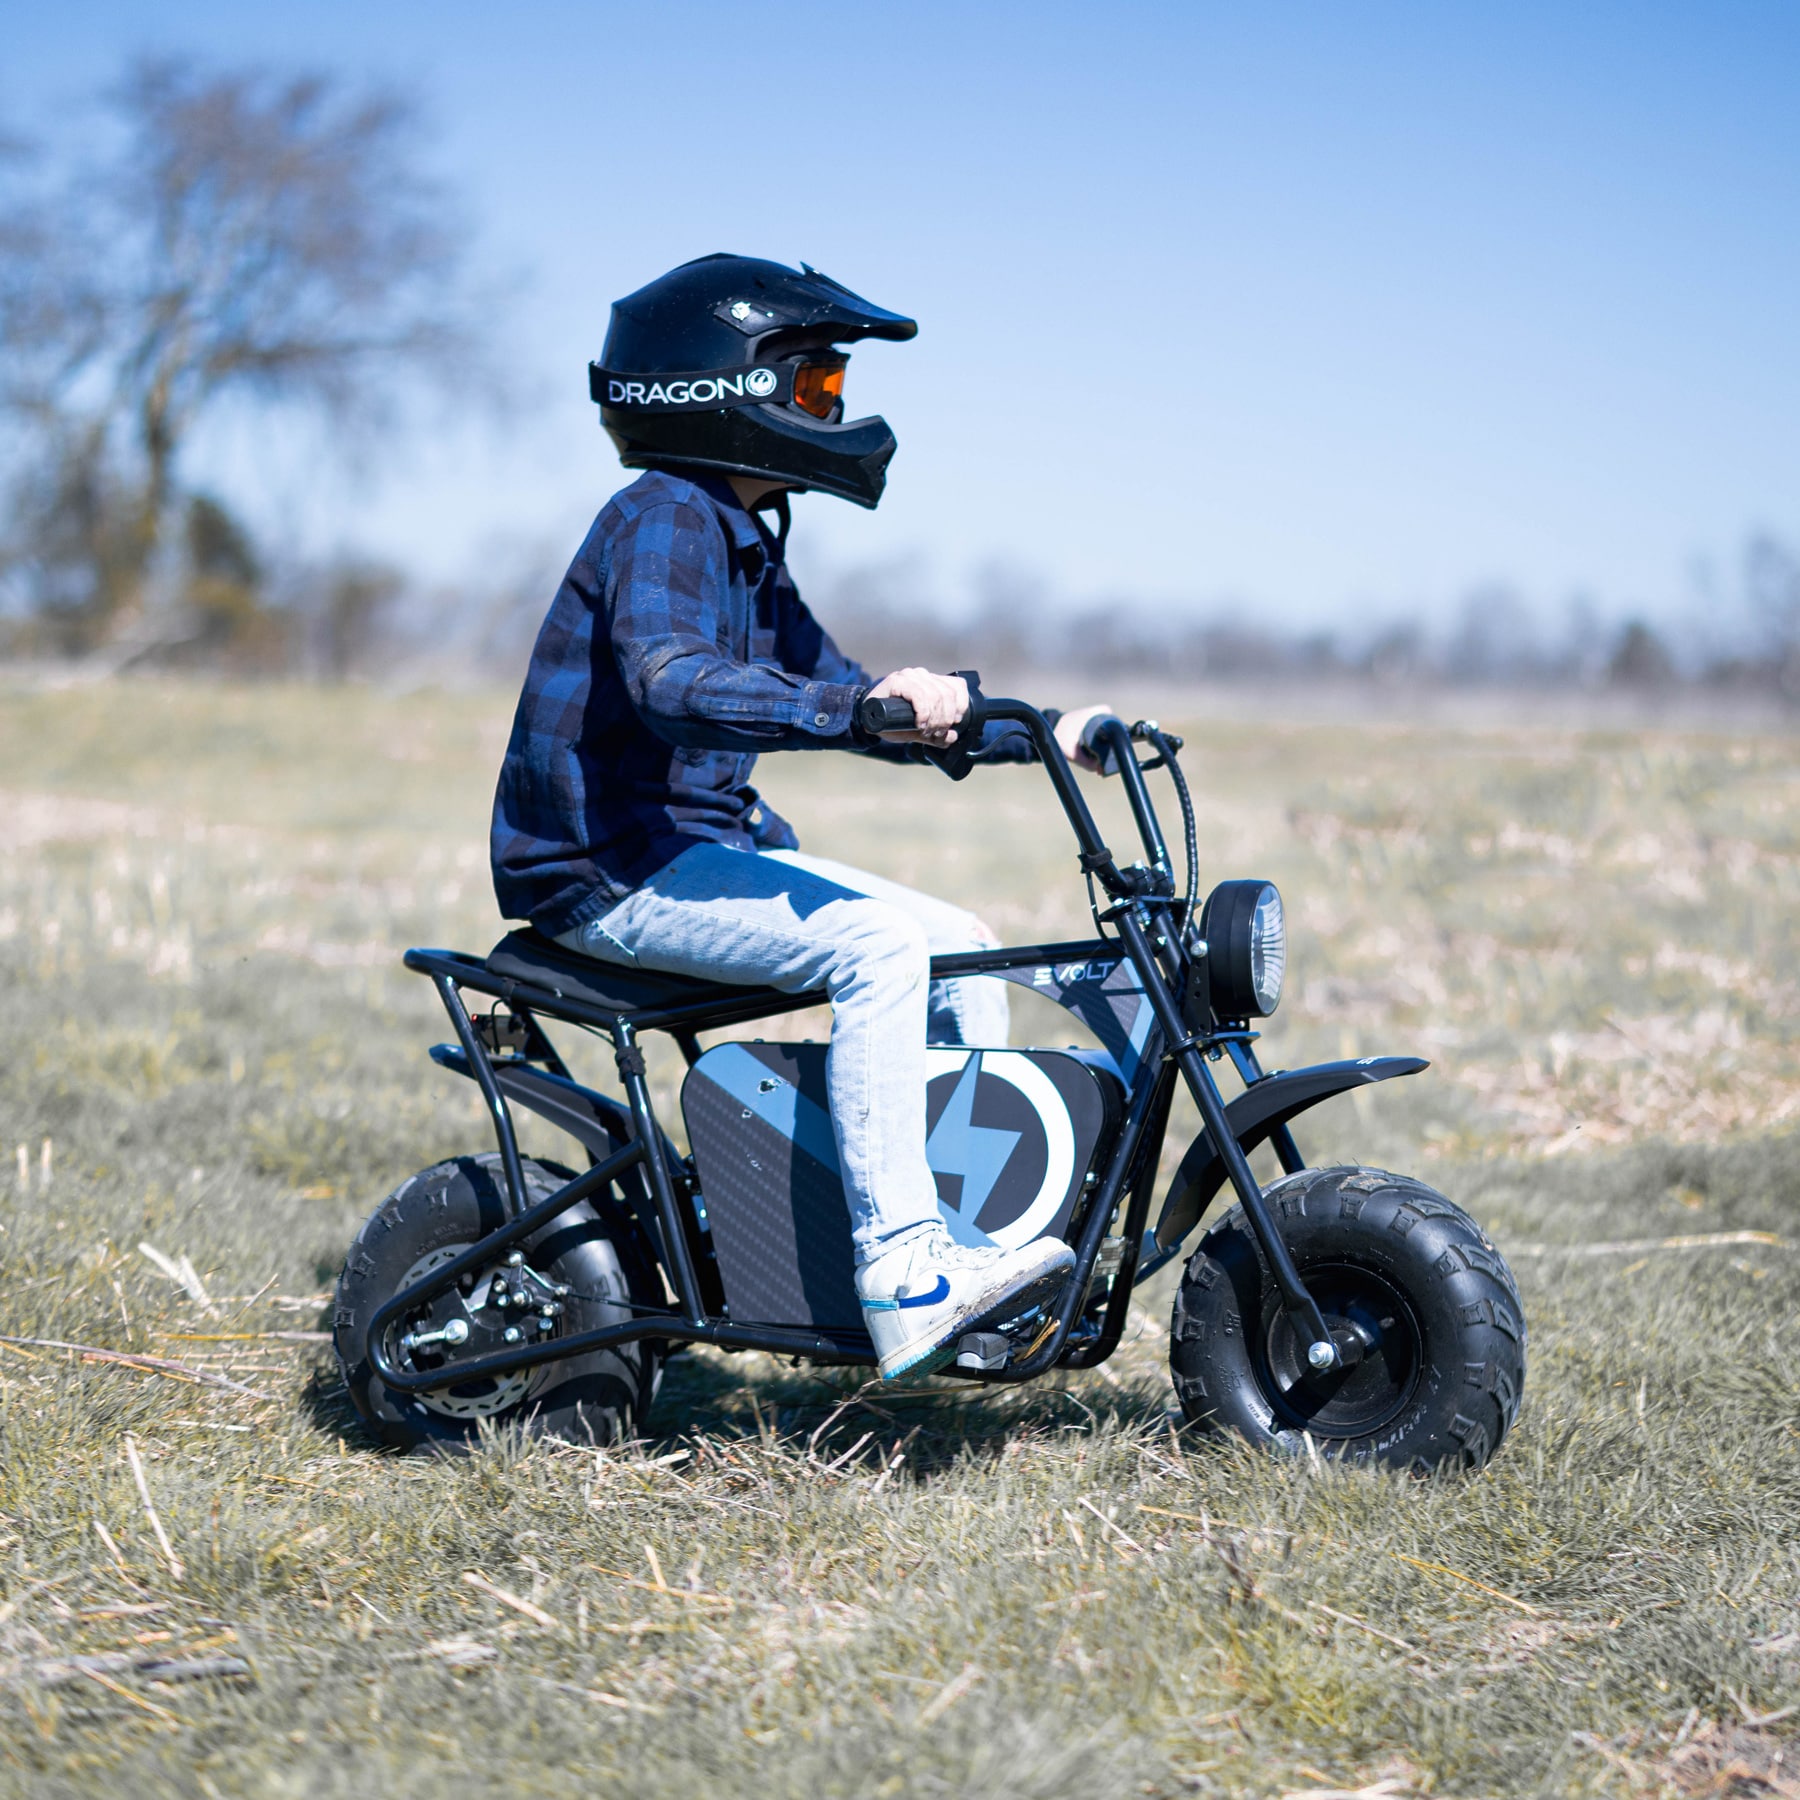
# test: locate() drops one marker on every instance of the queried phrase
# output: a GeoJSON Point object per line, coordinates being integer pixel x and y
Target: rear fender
{"type": "Point", "coordinates": [1253, 1115]}
{"type": "Point", "coordinates": [600, 1125]}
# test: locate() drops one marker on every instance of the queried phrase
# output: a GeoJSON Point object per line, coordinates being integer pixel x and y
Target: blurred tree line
{"type": "Point", "coordinates": [252, 247]}
{"type": "Point", "coordinates": [244, 243]}
{"type": "Point", "coordinates": [1745, 642]}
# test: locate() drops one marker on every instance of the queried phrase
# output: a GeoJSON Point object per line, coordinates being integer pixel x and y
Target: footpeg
{"type": "Point", "coordinates": [982, 1350]}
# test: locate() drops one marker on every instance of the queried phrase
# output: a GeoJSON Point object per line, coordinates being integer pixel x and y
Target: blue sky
{"type": "Point", "coordinates": [1323, 311]}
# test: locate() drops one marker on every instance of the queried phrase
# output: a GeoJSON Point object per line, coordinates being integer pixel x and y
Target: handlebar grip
{"type": "Point", "coordinates": [878, 715]}
{"type": "Point", "coordinates": [1096, 741]}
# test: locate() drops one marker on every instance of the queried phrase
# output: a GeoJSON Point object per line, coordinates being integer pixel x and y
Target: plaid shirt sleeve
{"type": "Point", "coordinates": [668, 584]}
{"type": "Point", "coordinates": [805, 644]}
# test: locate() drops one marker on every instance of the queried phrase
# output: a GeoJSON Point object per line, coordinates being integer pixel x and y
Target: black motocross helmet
{"type": "Point", "coordinates": [730, 363]}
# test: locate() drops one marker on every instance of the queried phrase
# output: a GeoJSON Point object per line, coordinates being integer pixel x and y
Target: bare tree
{"type": "Point", "coordinates": [257, 238]}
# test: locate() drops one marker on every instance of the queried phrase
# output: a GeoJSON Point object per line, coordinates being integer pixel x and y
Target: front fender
{"type": "Point", "coordinates": [1253, 1115]}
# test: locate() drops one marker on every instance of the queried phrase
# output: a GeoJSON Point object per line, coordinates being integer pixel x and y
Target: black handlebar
{"type": "Point", "coordinates": [876, 716]}
{"type": "Point", "coordinates": [884, 714]}
{"type": "Point", "coordinates": [1106, 737]}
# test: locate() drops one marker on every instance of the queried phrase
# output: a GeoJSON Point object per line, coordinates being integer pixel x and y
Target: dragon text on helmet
{"type": "Point", "coordinates": [692, 390]}
{"type": "Point", "coordinates": [677, 393]}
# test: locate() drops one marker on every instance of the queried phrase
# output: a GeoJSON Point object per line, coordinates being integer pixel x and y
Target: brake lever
{"type": "Point", "coordinates": [956, 760]}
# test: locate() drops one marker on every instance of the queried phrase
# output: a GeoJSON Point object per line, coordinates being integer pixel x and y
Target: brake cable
{"type": "Point", "coordinates": [1094, 906]}
{"type": "Point", "coordinates": [1190, 837]}
{"type": "Point", "coordinates": [1165, 758]}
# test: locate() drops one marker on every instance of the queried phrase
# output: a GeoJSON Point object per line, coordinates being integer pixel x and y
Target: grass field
{"type": "Point", "coordinates": [795, 1585]}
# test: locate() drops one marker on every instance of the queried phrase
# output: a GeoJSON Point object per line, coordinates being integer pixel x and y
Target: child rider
{"type": "Point", "coordinates": [676, 649]}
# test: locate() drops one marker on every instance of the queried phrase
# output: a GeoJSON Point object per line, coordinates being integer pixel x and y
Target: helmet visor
{"type": "Point", "coordinates": [819, 386]}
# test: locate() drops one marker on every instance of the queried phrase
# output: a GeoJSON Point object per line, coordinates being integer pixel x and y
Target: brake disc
{"type": "Point", "coordinates": [480, 1399]}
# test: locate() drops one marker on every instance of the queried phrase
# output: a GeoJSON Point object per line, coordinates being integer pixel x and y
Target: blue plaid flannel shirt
{"type": "Point", "coordinates": [675, 650]}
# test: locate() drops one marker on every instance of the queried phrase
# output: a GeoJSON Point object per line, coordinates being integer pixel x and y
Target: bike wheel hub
{"type": "Point", "coordinates": [505, 1307]}
{"type": "Point", "coordinates": [1378, 1356]}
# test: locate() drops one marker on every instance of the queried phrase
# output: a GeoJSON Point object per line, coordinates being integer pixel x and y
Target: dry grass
{"type": "Point", "coordinates": [797, 1586]}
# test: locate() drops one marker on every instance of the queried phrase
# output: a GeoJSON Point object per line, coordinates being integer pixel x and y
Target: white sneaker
{"type": "Point", "coordinates": [919, 1298]}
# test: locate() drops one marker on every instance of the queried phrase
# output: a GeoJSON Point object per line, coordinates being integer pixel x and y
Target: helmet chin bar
{"type": "Point", "coordinates": [848, 460]}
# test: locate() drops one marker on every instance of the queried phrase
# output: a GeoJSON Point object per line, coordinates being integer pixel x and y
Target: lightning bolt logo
{"type": "Point", "coordinates": [957, 1146]}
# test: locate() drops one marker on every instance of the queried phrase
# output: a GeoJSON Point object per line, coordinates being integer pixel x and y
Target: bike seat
{"type": "Point", "coordinates": [540, 962]}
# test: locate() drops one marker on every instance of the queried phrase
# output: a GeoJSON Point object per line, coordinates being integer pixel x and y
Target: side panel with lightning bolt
{"type": "Point", "coordinates": [1011, 1134]}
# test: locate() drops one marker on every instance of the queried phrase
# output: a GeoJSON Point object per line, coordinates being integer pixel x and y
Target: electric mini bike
{"type": "Point", "coordinates": [1346, 1308]}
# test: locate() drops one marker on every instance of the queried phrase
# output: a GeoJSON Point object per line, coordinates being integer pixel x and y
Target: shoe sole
{"type": "Point", "coordinates": [931, 1355]}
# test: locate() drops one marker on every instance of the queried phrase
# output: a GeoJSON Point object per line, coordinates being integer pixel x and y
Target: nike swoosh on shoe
{"type": "Point", "coordinates": [939, 1293]}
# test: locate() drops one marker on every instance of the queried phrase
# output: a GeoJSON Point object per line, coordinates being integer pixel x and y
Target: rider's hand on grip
{"type": "Point", "coordinates": [939, 711]}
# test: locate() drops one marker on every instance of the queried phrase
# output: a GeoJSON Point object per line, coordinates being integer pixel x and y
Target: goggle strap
{"type": "Point", "coordinates": [764, 384]}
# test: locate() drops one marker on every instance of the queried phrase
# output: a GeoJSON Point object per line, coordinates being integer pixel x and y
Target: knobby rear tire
{"type": "Point", "coordinates": [596, 1249]}
{"type": "Point", "coordinates": [1434, 1297]}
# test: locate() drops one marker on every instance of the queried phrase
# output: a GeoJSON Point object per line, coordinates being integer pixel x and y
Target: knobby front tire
{"type": "Point", "coordinates": [1409, 1284]}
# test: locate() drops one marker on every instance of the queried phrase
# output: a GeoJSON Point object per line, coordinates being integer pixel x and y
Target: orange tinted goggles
{"type": "Point", "coordinates": [819, 388]}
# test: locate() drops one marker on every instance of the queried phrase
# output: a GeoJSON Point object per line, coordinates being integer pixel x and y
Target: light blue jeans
{"type": "Point", "coordinates": [786, 920]}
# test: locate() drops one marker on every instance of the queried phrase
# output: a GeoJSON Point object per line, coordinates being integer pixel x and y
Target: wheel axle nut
{"type": "Point", "coordinates": [1321, 1355]}
{"type": "Point", "coordinates": [456, 1331]}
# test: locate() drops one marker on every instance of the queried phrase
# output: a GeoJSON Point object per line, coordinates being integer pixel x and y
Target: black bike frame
{"type": "Point", "coordinates": [1153, 933]}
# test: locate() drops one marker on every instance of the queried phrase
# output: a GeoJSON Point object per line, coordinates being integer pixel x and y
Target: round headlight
{"type": "Point", "coordinates": [1246, 940]}
{"type": "Point", "coordinates": [1268, 948]}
